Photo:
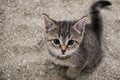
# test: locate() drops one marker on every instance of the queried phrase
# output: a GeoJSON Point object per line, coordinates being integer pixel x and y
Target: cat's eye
{"type": "Point", "coordinates": [56, 41]}
{"type": "Point", "coordinates": [71, 42]}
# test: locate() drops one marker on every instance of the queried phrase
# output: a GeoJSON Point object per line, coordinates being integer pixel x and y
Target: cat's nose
{"type": "Point", "coordinates": [63, 51]}
{"type": "Point", "coordinates": [63, 48]}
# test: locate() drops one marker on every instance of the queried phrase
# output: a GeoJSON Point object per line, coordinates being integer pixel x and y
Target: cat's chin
{"type": "Point", "coordinates": [63, 57]}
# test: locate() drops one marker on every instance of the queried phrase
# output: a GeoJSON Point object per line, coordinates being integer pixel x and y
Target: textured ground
{"type": "Point", "coordinates": [22, 54]}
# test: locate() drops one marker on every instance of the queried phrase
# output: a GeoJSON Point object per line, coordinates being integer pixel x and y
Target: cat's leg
{"type": "Point", "coordinates": [73, 72]}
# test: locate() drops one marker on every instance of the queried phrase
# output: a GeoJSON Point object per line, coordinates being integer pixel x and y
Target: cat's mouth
{"type": "Point", "coordinates": [62, 56]}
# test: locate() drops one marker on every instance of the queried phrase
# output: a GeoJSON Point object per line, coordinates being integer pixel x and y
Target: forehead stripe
{"type": "Point", "coordinates": [64, 28]}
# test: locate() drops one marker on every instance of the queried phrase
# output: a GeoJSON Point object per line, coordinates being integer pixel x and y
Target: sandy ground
{"type": "Point", "coordinates": [22, 53]}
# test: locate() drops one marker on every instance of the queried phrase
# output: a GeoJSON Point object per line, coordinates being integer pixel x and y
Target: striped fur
{"type": "Point", "coordinates": [86, 51]}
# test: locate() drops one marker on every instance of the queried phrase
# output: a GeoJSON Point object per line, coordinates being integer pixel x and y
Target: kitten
{"type": "Point", "coordinates": [76, 44]}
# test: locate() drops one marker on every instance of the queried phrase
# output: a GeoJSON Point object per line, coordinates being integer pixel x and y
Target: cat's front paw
{"type": "Point", "coordinates": [72, 73]}
{"type": "Point", "coordinates": [70, 77]}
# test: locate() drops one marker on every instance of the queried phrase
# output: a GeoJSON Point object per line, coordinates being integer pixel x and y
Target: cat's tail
{"type": "Point", "coordinates": [96, 19]}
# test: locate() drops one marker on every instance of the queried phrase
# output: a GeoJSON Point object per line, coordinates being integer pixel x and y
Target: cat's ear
{"type": "Point", "coordinates": [49, 23]}
{"type": "Point", "coordinates": [80, 25]}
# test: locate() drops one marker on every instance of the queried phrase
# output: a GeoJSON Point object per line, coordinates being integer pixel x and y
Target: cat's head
{"type": "Point", "coordinates": [63, 38]}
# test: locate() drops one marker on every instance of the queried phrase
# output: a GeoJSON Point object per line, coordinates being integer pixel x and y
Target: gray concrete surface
{"type": "Point", "coordinates": [22, 53]}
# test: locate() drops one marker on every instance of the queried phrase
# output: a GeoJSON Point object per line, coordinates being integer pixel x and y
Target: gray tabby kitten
{"type": "Point", "coordinates": [75, 44]}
